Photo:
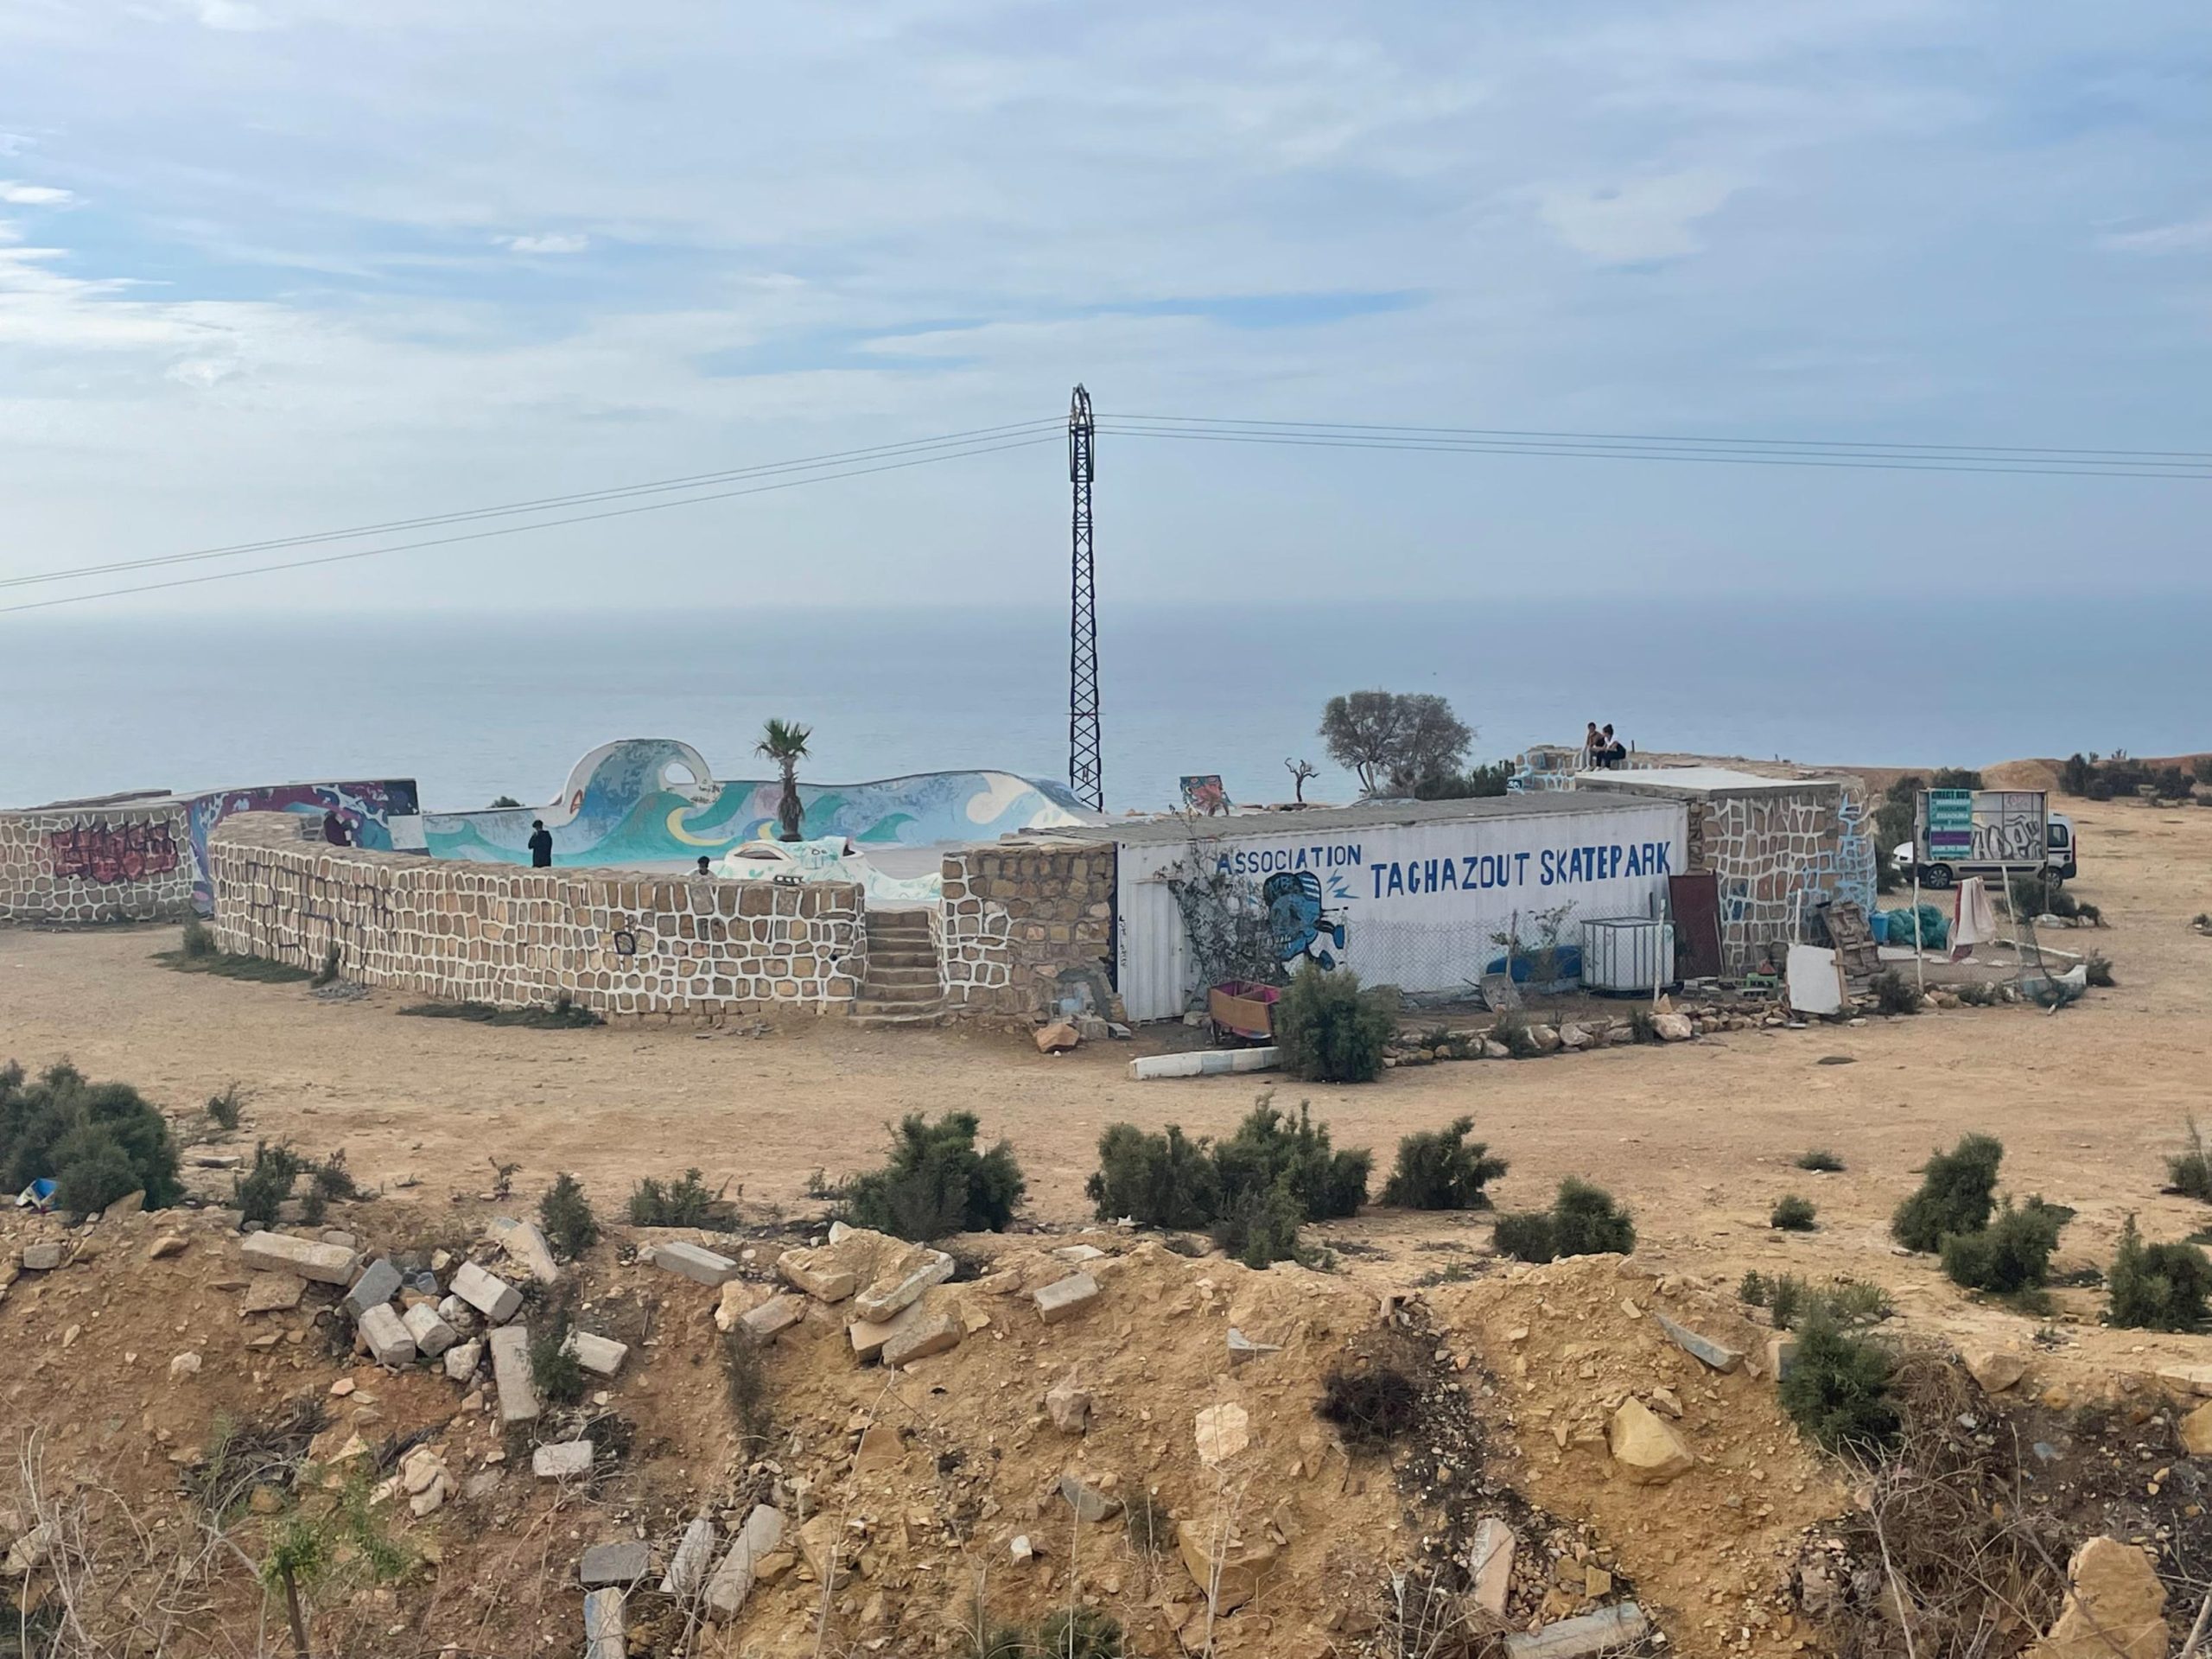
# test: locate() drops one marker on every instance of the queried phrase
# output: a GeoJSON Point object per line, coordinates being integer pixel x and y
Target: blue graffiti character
{"type": "Point", "coordinates": [1301, 927]}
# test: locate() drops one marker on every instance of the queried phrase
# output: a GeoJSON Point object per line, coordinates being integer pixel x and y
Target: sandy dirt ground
{"type": "Point", "coordinates": [1698, 1139]}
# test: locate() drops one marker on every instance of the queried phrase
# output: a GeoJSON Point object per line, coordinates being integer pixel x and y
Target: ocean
{"type": "Point", "coordinates": [474, 707]}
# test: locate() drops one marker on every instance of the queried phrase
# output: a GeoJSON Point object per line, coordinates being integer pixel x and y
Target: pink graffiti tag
{"type": "Point", "coordinates": [126, 852]}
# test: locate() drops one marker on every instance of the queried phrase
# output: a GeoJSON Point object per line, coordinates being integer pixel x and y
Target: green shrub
{"type": "Point", "coordinates": [327, 974]}
{"type": "Point", "coordinates": [1270, 1151]}
{"type": "Point", "coordinates": [1586, 1222]}
{"type": "Point", "coordinates": [1080, 1633]}
{"type": "Point", "coordinates": [558, 1374]}
{"type": "Point", "coordinates": [327, 1180]}
{"type": "Point", "coordinates": [101, 1130]}
{"type": "Point", "coordinates": [1526, 1236]}
{"type": "Point", "coordinates": [1786, 1300]}
{"type": "Point", "coordinates": [565, 1213]}
{"type": "Point", "coordinates": [1583, 1221]}
{"type": "Point", "coordinates": [2013, 1254]}
{"type": "Point", "coordinates": [256, 1193]}
{"type": "Point", "coordinates": [1956, 778]}
{"type": "Point", "coordinates": [1440, 1170]}
{"type": "Point", "coordinates": [1513, 1032]}
{"type": "Point", "coordinates": [1155, 1180]}
{"type": "Point", "coordinates": [1837, 1390]}
{"type": "Point", "coordinates": [679, 1204]}
{"type": "Point", "coordinates": [1895, 993]}
{"type": "Point", "coordinates": [1957, 1190]}
{"type": "Point", "coordinates": [198, 942]}
{"type": "Point", "coordinates": [936, 1183]}
{"type": "Point", "coordinates": [2189, 1172]}
{"type": "Point", "coordinates": [1329, 1030]}
{"type": "Point", "coordinates": [1643, 1024]}
{"type": "Point", "coordinates": [1260, 1225]}
{"type": "Point", "coordinates": [223, 1110]}
{"type": "Point", "coordinates": [1753, 1288]}
{"type": "Point", "coordinates": [2157, 1286]}
{"type": "Point", "coordinates": [1821, 1159]}
{"type": "Point", "coordinates": [2035, 894]}
{"type": "Point", "coordinates": [1792, 1215]}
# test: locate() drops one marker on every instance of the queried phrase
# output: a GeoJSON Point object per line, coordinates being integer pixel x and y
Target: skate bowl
{"type": "Point", "coordinates": [653, 800]}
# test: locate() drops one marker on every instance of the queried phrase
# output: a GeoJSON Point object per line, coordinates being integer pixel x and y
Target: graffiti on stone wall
{"type": "Point", "coordinates": [107, 854]}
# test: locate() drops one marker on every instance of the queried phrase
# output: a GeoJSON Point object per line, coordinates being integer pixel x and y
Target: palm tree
{"type": "Point", "coordinates": [785, 742]}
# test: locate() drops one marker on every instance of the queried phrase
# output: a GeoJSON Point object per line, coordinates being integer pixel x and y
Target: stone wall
{"type": "Point", "coordinates": [71, 866]}
{"type": "Point", "coordinates": [1024, 922]}
{"type": "Point", "coordinates": [626, 944]}
{"type": "Point", "coordinates": [1776, 852]}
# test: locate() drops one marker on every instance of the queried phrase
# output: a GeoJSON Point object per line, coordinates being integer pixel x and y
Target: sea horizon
{"type": "Point", "coordinates": [474, 706]}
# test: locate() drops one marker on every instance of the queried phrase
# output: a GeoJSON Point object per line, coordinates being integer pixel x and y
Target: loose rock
{"type": "Point", "coordinates": [563, 1461]}
{"type": "Point", "coordinates": [1066, 1299]}
{"type": "Point", "coordinates": [694, 1262]}
{"type": "Point", "coordinates": [624, 1562]}
{"type": "Point", "coordinates": [489, 1294]}
{"type": "Point", "coordinates": [1643, 1447]}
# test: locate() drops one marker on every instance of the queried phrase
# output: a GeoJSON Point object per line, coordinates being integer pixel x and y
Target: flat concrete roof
{"type": "Point", "coordinates": [1367, 815]}
{"type": "Point", "coordinates": [1693, 780]}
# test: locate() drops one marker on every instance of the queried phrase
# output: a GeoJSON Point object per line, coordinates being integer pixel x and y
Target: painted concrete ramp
{"type": "Point", "coordinates": [653, 800]}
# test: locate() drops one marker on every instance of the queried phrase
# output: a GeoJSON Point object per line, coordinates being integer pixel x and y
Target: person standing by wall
{"type": "Point", "coordinates": [541, 845]}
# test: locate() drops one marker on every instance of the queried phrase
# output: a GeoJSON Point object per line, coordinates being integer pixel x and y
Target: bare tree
{"type": "Point", "coordinates": [1300, 772]}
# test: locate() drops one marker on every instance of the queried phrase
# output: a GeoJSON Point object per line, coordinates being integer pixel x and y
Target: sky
{"type": "Point", "coordinates": [274, 267]}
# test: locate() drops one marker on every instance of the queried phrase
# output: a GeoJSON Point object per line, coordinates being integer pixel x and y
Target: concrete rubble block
{"type": "Point", "coordinates": [1781, 1355]}
{"type": "Point", "coordinates": [1069, 1403]}
{"type": "Point", "coordinates": [600, 1355]}
{"type": "Point", "coordinates": [606, 1631]}
{"type": "Point", "coordinates": [273, 1292]}
{"type": "Point", "coordinates": [1673, 1028]}
{"type": "Point", "coordinates": [903, 1284]}
{"type": "Point", "coordinates": [41, 1258]}
{"type": "Point", "coordinates": [1242, 1349]}
{"type": "Point", "coordinates": [563, 1461]}
{"type": "Point", "coordinates": [433, 1336]}
{"type": "Point", "coordinates": [326, 1264]}
{"type": "Point", "coordinates": [458, 1314]}
{"type": "Point", "coordinates": [2115, 1607]}
{"type": "Point", "coordinates": [1489, 1564]}
{"type": "Point", "coordinates": [929, 1333]}
{"type": "Point", "coordinates": [2197, 1431]}
{"type": "Point", "coordinates": [823, 1274]}
{"type": "Point", "coordinates": [1231, 1574]}
{"type": "Point", "coordinates": [1719, 1356]}
{"type": "Point", "coordinates": [511, 1374]}
{"type": "Point", "coordinates": [762, 1533]}
{"type": "Point", "coordinates": [1066, 1298]}
{"type": "Point", "coordinates": [868, 1336]}
{"type": "Point", "coordinates": [378, 1284]}
{"type": "Point", "coordinates": [774, 1316]}
{"type": "Point", "coordinates": [1076, 1255]}
{"type": "Point", "coordinates": [1622, 1626]}
{"type": "Point", "coordinates": [489, 1294]}
{"type": "Point", "coordinates": [390, 1343]}
{"type": "Point", "coordinates": [695, 1262]}
{"type": "Point", "coordinates": [624, 1562]}
{"type": "Point", "coordinates": [1995, 1369]}
{"type": "Point", "coordinates": [462, 1359]}
{"type": "Point", "coordinates": [694, 1553]}
{"type": "Point", "coordinates": [1088, 1501]}
{"type": "Point", "coordinates": [1644, 1448]}
{"type": "Point", "coordinates": [526, 1247]}
{"type": "Point", "coordinates": [737, 1298]}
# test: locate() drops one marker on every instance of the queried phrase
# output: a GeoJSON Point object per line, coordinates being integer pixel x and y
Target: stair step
{"type": "Point", "coordinates": [903, 996]}
{"type": "Point", "coordinates": [919, 974]}
{"type": "Point", "coordinates": [932, 1017]}
{"type": "Point", "coordinates": [902, 957]}
{"type": "Point", "coordinates": [897, 1006]}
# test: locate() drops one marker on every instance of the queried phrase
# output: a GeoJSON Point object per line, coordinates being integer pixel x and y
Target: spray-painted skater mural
{"type": "Point", "coordinates": [653, 800]}
{"type": "Point", "coordinates": [383, 815]}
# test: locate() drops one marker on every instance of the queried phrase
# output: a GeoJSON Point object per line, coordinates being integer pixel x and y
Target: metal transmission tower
{"type": "Point", "coordinates": [1086, 770]}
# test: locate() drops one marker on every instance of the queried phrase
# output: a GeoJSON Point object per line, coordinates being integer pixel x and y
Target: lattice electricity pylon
{"type": "Point", "coordinates": [1086, 769]}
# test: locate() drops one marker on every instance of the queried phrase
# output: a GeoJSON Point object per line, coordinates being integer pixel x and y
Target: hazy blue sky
{"type": "Point", "coordinates": [270, 266]}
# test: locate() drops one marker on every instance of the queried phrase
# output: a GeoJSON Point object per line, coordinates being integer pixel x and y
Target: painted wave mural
{"type": "Point", "coordinates": [653, 800]}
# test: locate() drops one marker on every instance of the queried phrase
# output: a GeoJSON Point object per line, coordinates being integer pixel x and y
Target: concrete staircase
{"type": "Point", "coordinates": [902, 987]}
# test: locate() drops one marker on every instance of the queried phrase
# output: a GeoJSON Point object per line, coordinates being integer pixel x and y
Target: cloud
{"type": "Point", "coordinates": [549, 243]}
{"type": "Point", "coordinates": [232, 16]}
{"type": "Point", "coordinates": [32, 195]}
{"type": "Point", "coordinates": [1641, 221]}
{"type": "Point", "coordinates": [2180, 237]}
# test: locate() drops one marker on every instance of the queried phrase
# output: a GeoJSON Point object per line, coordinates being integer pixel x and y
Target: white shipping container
{"type": "Point", "coordinates": [1413, 904]}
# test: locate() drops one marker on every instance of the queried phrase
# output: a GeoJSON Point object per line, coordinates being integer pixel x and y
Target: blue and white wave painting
{"type": "Point", "coordinates": [653, 800]}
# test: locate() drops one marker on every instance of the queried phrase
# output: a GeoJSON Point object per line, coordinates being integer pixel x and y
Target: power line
{"type": "Point", "coordinates": [2195, 457]}
{"type": "Point", "coordinates": [1599, 451]}
{"type": "Point", "coordinates": [542, 504]}
{"type": "Point", "coordinates": [1050, 437]}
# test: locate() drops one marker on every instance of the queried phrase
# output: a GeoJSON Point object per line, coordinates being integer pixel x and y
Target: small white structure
{"type": "Point", "coordinates": [1410, 893]}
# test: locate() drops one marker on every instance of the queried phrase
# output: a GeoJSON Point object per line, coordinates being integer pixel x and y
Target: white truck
{"type": "Point", "coordinates": [1989, 832]}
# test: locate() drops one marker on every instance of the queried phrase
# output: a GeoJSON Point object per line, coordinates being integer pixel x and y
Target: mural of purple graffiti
{"type": "Point", "coordinates": [383, 815]}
